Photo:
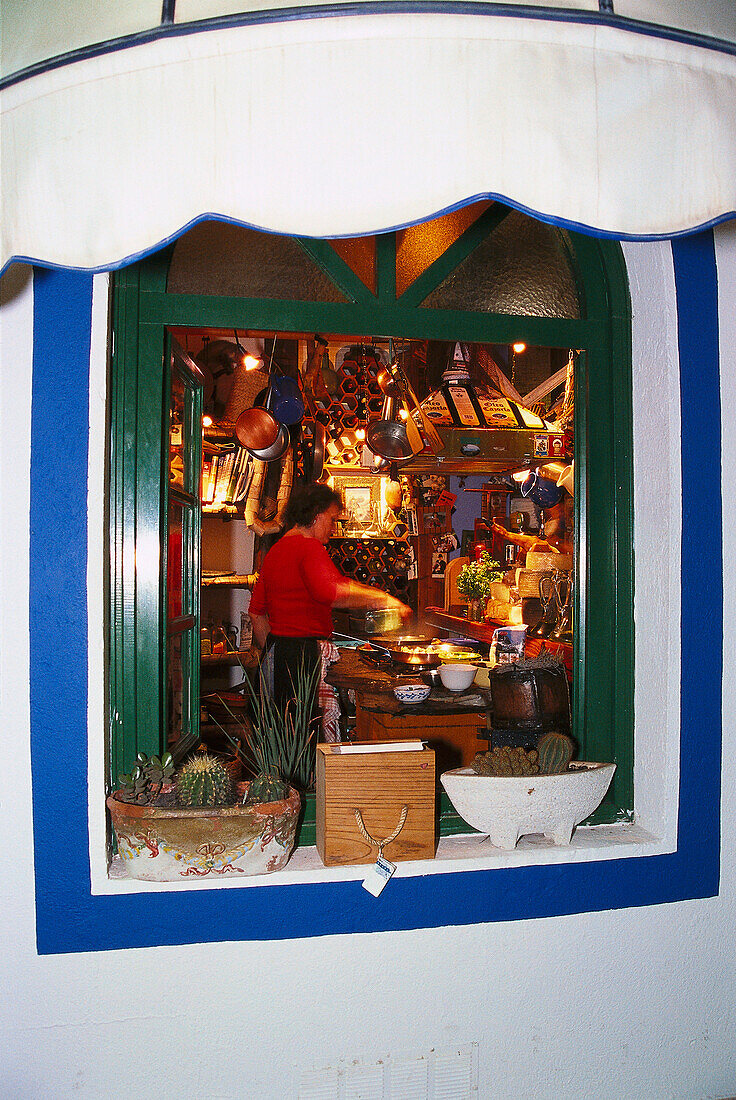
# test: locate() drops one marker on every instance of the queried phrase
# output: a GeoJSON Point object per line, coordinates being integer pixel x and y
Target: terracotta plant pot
{"type": "Point", "coordinates": [170, 845]}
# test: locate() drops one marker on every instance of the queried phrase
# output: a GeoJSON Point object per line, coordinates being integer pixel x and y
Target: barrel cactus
{"type": "Point", "coordinates": [204, 781]}
{"type": "Point", "coordinates": [267, 788]}
{"type": "Point", "coordinates": [555, 752]}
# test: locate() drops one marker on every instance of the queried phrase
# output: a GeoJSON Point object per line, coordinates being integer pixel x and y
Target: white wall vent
{"type": "Point", "coordinates": [441, 1074]}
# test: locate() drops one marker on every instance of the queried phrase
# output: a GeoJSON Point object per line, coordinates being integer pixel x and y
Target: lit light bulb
{"type": "Point", "coordinates": [519, 346]}
{"type": "Point", "coordinates": [521, 476]}
{"type": "Point", "coordinates": [251, 362]}
{"type": "Point", "coordinates": [206, 421]}
{"type": "Point", "coordinates": [360, 434]}
{"type": "Point", "coordinates": [403, 414]}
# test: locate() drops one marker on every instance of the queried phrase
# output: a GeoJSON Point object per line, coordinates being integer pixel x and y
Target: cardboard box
{"type": "Point", "coordinates": [379, 782]}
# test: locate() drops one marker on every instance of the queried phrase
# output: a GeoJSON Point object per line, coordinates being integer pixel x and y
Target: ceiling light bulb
{"type": "Point", "coordinates": [519, 346]}
{"type": "Point", "coordinates": [360, 434]}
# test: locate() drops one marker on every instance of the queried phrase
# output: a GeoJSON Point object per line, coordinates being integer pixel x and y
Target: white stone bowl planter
{"type": "Point", "coordinates": [506, 807]}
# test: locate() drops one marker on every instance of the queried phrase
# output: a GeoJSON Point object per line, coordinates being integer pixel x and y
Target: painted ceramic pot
{"type": "Point", "coordinates": [172, 845]}
{"type": "Point", "coordinates": [506, 807]}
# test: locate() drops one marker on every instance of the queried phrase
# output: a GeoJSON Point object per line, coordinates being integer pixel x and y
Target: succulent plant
{"type": "Point", "coordinates": [143, 784]}
{"type": "Point", "coordinates": [555, 752]}
{"type": "Point", "coordinates": [203, 781]}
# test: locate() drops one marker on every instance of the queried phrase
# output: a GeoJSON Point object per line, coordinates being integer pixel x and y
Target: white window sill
{"type": "Point", "coordinates": [470, 852]}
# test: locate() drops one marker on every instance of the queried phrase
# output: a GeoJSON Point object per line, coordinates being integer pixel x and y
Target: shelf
{"type": "Point", "coordinates": [246, 580]}
{"type": "Point", "coordinates": [242, 657]}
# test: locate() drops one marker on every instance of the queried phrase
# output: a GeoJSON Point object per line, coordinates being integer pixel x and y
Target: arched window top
{"type": "Point", "coordinates": [235, 262]}
{"type": "Point", "coordinates": [521, 267]}
{"type": "Point", "coordinates": [484, 258]}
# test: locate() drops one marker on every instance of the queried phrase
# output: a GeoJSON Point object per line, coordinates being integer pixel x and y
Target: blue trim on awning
{"type": "Point", "coordinates": [484, 196]}
{"type": "Point", "coordinates": [372, 7]}
{"type": "Point", "coordinates": [70, 919]}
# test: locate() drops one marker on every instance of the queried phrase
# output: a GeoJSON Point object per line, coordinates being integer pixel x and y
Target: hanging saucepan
{"type": "Point", "coordinates": [388, 439]}
{"type": "Point", "coordinates": [286, 399]}
{"type": "Point", "coordinates": [277, 448]}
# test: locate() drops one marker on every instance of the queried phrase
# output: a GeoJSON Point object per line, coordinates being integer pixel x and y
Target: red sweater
{"type": "Point", "coordinates": [296, 588]}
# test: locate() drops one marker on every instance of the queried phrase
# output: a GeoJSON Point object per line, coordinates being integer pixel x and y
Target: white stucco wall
{"type": "Point", "coordinates": [629, 1003]}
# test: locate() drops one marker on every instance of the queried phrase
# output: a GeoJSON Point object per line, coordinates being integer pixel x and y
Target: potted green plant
{"type": "Point", "coordinates": [205, 830]}
{"type": "Point", "coordinates": [474, 582]}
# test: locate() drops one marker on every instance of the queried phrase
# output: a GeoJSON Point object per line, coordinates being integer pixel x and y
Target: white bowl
{"type": "Point", "coordinates": [412, 693]}
{"type": "Point", "coordinates": [506, 807]}
{"type": "Point", "coordinates": [457, 676]}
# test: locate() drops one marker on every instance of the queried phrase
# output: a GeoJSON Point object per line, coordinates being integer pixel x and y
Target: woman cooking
{"type": "Point", "coordinates": [292, 601]}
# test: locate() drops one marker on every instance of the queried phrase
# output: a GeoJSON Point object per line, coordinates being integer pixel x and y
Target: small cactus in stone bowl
{"type": "Point", "coordinates": [555, 751]}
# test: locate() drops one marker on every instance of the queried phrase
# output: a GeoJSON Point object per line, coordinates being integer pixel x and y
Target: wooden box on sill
{"type": "Point", "coordinates": [379, 784]}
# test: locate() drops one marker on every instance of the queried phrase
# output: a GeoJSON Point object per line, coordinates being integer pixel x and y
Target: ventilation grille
{"type": "Point", "coordinates": [449, 1074]}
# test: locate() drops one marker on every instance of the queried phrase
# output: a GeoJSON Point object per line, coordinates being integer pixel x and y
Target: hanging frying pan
{"type": "Point", "coordinates": [314, 466]}
{"type": "Point", "coordinates": [319, 449]}
{"type": "Point", "coordinates": [257, 429]}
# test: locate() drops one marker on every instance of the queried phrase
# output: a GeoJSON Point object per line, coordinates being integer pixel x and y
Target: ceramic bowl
{"type": "Point", "coordinates": [457, 676]}
{"type": "Point", "coordinates": [412, 693]}
{"type": "Point", "coordinates": [505, 807]}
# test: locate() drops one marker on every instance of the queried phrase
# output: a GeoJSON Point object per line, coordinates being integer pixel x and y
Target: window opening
{"type": "Point", "coordinates": [571, 334]}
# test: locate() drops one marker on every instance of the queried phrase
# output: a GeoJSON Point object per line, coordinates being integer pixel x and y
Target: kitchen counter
{"type": "Point", "coordinates": [452, 723]}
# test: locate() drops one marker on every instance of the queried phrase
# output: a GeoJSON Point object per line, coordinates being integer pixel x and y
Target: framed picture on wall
{"type": "Point", "coordinates": [357, 503]}
{"type": "Point", "coordinates": [361, 497]}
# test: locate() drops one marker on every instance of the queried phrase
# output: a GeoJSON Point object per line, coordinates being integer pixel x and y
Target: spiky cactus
{"type": "Point", "coordinates": [555, 752]}
{"type": "Point", "coordinates": [204, 781]}
{"type": "Point", "coordinates": [267, 788]}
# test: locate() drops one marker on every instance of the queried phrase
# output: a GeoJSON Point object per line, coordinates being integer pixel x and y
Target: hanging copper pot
{"type": "Point", "coordinates": [256, 429]}
{"type": "Point", "coordinates": [277, 448]}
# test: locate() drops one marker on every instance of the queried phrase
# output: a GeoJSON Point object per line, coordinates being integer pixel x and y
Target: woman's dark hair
{"type": "Point", "coordinates": [309, 502]}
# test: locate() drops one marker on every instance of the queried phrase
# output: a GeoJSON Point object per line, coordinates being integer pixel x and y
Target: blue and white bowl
{"type": "Point", "coordinates": [411, 693]}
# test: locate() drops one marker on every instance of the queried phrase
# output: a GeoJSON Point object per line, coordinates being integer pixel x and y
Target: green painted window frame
{"type": "Point", "coordinates": [142, 313]}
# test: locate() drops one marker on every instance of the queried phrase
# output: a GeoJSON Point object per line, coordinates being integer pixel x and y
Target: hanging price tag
{"type": "Point", "coordinates": [378, 876]}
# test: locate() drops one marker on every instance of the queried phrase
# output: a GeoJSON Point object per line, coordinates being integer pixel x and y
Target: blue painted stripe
{"type": "Point", "coordinates": [70, 919]}
{"type": "Point", "coordinates": [371, 7]}
{"type": "Point", "coordinates": [702, 548]}
{"type": "Point", "coordinates": [62, 304]}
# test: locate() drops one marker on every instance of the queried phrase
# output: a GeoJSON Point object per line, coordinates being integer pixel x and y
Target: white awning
{"type": "Point", "coordinates": [338, 125]}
